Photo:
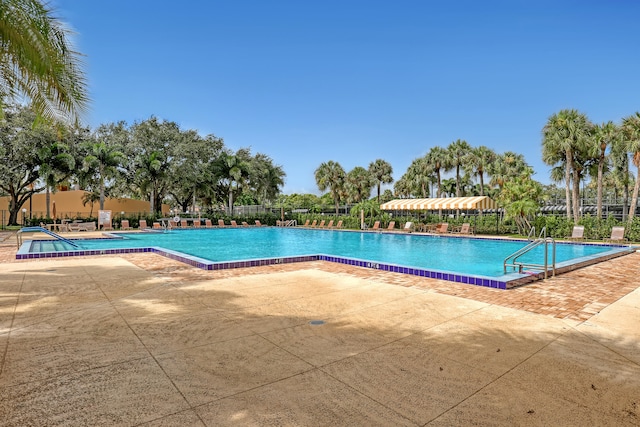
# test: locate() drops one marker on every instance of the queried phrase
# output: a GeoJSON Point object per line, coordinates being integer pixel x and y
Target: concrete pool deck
{"type": "Point", "coordinates": [140, 339]}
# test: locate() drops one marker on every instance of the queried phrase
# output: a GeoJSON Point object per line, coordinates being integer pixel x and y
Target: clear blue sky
{"type": "Point", "coordinates": [306, 82]}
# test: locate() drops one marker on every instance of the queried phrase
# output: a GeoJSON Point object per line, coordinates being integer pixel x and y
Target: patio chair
{"type": "Point", "coordinates": [143, 224]}
{"type": "Point", "coordinates": [314, 223]}
{"type": "Point", "coordinates": [124, 225]}
{"type": "Point", "coordinates": [330, 225]}
{"type": "Point", "coordinates": [463, 229]}
{"type": "Point", "coordinates": [577, 233]}
{"type": "Point", "coordinates": [408, 227]}
{"type": "Point", "coordinates": [376, 225]}
{"type": "Point", "coordinates": [339, 224]}
{"type": "Point", "coordinates": [391, 226]}
{"type": "Point", "coordinates": [207, 223]}
{"type": "Point", "coordinates": [183, 223]}
{"type": "Point", "coordinates": [306, 223]}
{"type": "Point", "coordinates": [221, 223]}
{"type": "Point", "coordinates": [245, 224]}
{"type": "Point", "coordinates": [234, 223]}
{"type": "Point", "coordinates": [157, 226]}
{"type": "Point", "coordinates": [196, 223]}
{"type": "Point", "coordinates": [442, 228]}
{"type": "Point", "coordinates": [258, 223]}
{"type": "Point", "coordinates": [617, 235]}
{"type": "Point", "coordinates": [321, 224]}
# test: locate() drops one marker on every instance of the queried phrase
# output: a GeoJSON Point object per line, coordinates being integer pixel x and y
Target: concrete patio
{"type": "Point", "coordinates": [143, 340]}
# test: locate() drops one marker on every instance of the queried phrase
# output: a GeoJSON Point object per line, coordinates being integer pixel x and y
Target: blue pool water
{"type": "Point", "coordinates": [471, 256]}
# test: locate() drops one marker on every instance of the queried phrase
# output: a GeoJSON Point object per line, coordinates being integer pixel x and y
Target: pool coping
{"type": "Point", "coordinates": [506, 281]}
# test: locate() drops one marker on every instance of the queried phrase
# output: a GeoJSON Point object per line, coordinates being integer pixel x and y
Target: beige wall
{"type": "Point", "coordinates": [69, 204]}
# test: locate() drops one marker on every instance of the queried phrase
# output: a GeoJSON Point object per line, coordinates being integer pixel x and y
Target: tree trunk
{"type": "Point", "coordinates": [152, 200]}
{"type": "Point", "coordinates": [599, 195]}
{"type": "Point", "coordinates": [47, 199]}
{"type": "Point", "coordinates": [576, 196]}
{"type": "Point", "coordinates": [567, 177]}
{"type": "Point", "coordinates": [636, 187]}
{"type": "Point", "coordinates": [101, 187]}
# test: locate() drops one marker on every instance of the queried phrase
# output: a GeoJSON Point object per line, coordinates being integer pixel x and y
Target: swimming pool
{"type": "Point", "coordinates": [461, 259]}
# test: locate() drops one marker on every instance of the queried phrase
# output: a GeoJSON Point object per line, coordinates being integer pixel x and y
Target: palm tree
{"type": "Point", "coordinates": [563, 137]}
{"type": "Point", "coordinates": [358, 184]}
{"type": "Point", "coordinates": [57, 165]}
{"type": "Point", "coordinates": [631, 131]}
{"type": "Point", "coordinates": [603, 136]}
{"type": "Point", "coordinates": [440, 162]}
{"type": "Point", "coordinates": [233, 168]}
{"type": "Point", "coordinates": [381, 172]}
{"type": "Point", "coordinates": [621, 174]}
{"type": "Point", "coordinates": [478, 161]}
{"type": "Point", "coordinates": [331, 175]}
{"type": "Point", "coordinates": [418, 177]}
{"type": "Point", "coordinates": [102, 160]}
{"type": "Point", "coordinates": [458, 153]}
{"type": "Point", "coordinates": [37, 60]}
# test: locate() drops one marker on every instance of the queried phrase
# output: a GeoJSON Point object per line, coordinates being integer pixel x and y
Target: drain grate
{"type": "Point", "coordinates": [316, 322]}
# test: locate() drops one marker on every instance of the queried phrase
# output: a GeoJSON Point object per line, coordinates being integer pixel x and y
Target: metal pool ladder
{"type": "Point", "coordinates": [41, 230]}
{"type": "Point", "coordinates": [512, 260]}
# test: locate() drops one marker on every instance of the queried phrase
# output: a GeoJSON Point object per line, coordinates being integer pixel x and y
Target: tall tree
{"type": "Point", "coordinates": [266, 178]}
{"type": "Point", "coordinates": [233, 170]}
{"type": "Point", "coordinates": [604, 136]}
{"type": "Point", "coordinates": [331, 175]}
{"type": "Point", "coordinates": [57, 165]}
{"type": "Point", "coordinates": [358, 184]}
{"type": "Point", "coordinates": [381, 171]}
{"type": "Point", "coordinates": [458, 153]}
{"type": "Point", "coordinates": [150, 152]}
{"type": "Point", "coordinates": [631, 131]}
{"type": "Point", "coordinates": [419, 175]}
{"type": "Point", "coordinates": [22, 141]}
{"type": "Point", "coordinates": [478, 162]}
{"type": "Point", "coordinates": [564, 135]}
{"type": "Point", "coordinates": [38, 60]}
{"type": "Point", "coordinates": [440, 162]}
{"type": "Point", "coordinates": [101, 162]}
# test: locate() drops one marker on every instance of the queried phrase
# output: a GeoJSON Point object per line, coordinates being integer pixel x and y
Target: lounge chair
{"type": "Point", "coordinates": [196, 223]}
{"type": "Point", "coordinates": [124, 225]}
{"type": "Point", "coordinates": [577, 233]}
{"type": "Point", "coordinates": [617, 235]}
{"type": "Point", "coordinates": [258, 223]}
{"type": "Point", "coordinates": [392, 225]}
{"type": "Point", "coordinates": [234, 223]}
{"type": "Point", "coordinates": [306, 223]}
{"type": "Point", "coordinates": [463, 229]}
{"type": "Point", "coordinates": [330, 225]}
{"type": "Point", "coordinates": [183, 223]}
{"type": "Point", "coordinates": [143, 224]}
{"type": "Point", "coordinates": [408, 227]}
{"type": "Point", "coordinates": [376, 225]}
{"type": "Point", "coordinates": [442, 228]}
{"type": "Point", "coordinates": [314, 223]}
{"type": "Point", "coordinates": [207, 223]}
{"type": "Point", "coordinates": [156, 225]}
{"type": "Point", "coordinates": [221, 223]}
{"type": "Point", "coordinates": [321, 224]}
{"type": "Point", "coordinates": [339, 224]}
{"type": "Point", "coordinates": [245, 224]}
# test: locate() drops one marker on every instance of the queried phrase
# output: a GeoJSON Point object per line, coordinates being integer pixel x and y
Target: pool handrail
{"type": "Point", "coordinates": [520, 265]}
{"type": "Point", "coordinates": [38, 229]}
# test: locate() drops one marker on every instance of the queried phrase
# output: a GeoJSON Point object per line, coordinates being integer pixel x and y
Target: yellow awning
{"type": "Point", "coordinates": [465, 203]}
